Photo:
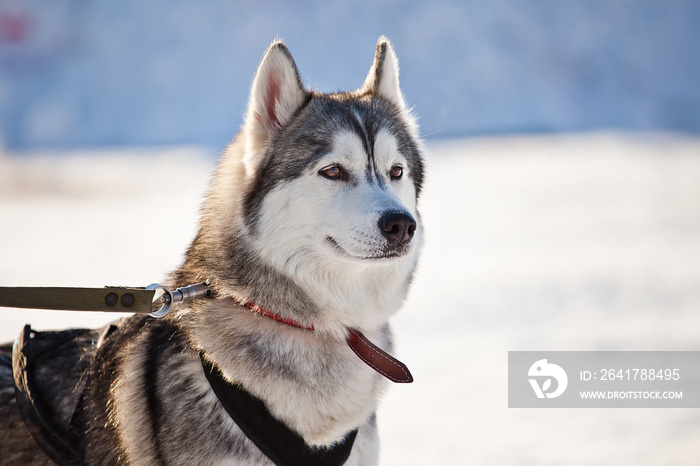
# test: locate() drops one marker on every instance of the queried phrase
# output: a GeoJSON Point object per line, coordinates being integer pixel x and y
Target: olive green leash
{"type": "Point", "coordinates": [155, 300]}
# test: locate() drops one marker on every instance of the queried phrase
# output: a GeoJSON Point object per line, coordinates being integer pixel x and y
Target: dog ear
{"type": "Point", "coordinates": [383, 77]}
{"type": "Point", "coordinates": [276, 94]}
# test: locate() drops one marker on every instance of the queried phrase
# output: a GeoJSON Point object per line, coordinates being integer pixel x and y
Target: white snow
{"type": "Point", "coordinates": [570, 242]}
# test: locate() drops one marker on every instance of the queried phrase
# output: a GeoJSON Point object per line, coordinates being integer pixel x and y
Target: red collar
{"type": "Point", "coordinates": [274, 316]}
{"type": "Point", "coordinates": [368, 352]}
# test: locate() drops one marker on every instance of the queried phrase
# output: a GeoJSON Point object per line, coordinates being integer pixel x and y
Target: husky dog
{"type": "Point", "coordinates": [309, 232]}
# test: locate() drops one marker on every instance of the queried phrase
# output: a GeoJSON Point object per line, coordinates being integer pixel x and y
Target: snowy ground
{"type": "Point", "coordinates": [588, 242]}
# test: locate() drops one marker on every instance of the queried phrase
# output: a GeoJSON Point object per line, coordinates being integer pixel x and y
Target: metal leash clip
{"type": "Point", "coordinates": [183, 294]}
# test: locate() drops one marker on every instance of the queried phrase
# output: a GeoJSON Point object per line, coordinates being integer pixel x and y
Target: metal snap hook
{"type": "Point", "coordinates": [162, 295]}
{"type": "Point", "coordinates": [183, 294]}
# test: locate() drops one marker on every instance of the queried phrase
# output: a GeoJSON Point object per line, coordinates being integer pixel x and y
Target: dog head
{"type": "Point", "coordinates": [332, 175]}
{"type": "Point", "coordinates": [321, 189]}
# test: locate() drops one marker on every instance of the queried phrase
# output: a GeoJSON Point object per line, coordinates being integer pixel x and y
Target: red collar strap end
{"type": "Point", "coordinates": [377, 358]}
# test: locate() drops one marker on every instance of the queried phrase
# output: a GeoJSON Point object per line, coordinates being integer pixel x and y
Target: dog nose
{"type": "Point", "coordinates": [397, 227]}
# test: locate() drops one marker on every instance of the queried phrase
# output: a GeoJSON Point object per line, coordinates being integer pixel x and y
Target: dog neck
{"type": "Point", "coordinates": [368, 352]}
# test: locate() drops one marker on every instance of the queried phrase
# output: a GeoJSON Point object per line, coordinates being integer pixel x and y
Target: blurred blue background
{"type": "Point", "coordinates": [79, 73]}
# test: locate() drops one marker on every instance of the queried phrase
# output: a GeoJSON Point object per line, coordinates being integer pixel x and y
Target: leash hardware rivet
{"type": "Point", "coordinates": [128, 300]}
{"type": "Point", "coordinates": [111, 299]}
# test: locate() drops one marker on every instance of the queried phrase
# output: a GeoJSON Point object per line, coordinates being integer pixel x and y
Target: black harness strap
{"type": "Point", "coordinates": [61, 446]}
{"type": "Point", "coordinates": [277, 441]}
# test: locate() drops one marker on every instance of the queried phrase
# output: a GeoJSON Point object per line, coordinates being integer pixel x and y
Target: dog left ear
{"type": "Point", "coordinates": [276, 94]}
{"type": "Point", "coordinates": [383, 77]}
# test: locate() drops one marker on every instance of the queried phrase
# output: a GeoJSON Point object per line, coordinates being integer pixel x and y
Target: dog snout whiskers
{"type": "Point", "coordinates": [397, 227]}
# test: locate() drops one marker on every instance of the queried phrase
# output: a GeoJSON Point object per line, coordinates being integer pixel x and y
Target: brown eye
{"type": "Point", "coordinates": [396, 172]}
{"type": "Point", "coordinates": [333, 172]}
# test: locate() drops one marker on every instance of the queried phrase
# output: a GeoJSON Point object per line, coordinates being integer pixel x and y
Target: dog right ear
{"type": "Point", "coordinates": [276, 94]}
{"type": "Point", "coordinates": [383, 77]}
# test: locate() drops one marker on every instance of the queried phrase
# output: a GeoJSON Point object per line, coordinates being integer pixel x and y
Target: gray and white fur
{"type": "Point", "coordinates": [312, 214]}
